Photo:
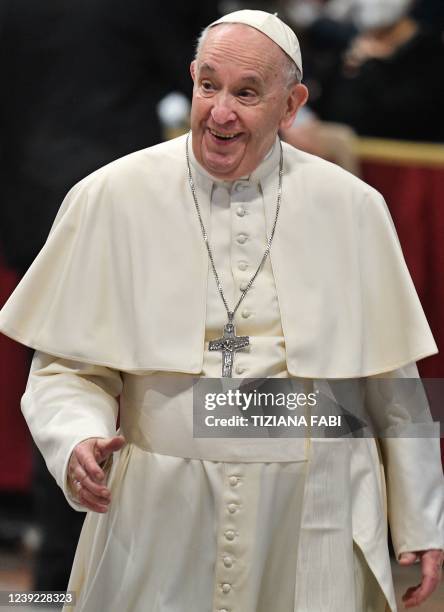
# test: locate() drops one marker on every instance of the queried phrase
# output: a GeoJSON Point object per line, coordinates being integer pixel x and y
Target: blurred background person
{"type": "Point", "coordinates": [325, 30]}
{"type": "Point", "coordinates": [81, 85]}
{"type": "Point", "coordinates": [378, 66]}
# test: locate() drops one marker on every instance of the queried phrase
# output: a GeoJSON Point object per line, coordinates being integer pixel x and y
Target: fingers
{"type": "Point", "coordinates": [409, 597]}
{"type": "Point", "coordinates": [84, 454]}
{"type": "Point", "coordinates": [92, 495]}
{"type": "Point", "coordinates": [431, 566]}
{"type": "Point", "coordinates": [106, 446]}
{"type": "Point", "coordinates": [86, 477]}
{"type": "Point", "coordinates": [99, 491]}
{"type": "Point", "coordinates": [408, 558]}
{"type": "Point", "coordinates": [93, 502]}
{"type": "Point", "coordinates": [91, 467]}
{"type": "Point", "coordinates": [414, 596]}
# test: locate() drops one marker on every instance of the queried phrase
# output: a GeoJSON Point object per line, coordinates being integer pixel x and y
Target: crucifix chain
{"type": "Point", "coordinates": [229, 343]}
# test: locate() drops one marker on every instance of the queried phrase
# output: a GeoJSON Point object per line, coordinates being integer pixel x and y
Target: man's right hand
{"type": "Point", "coordinates": [86, 477]}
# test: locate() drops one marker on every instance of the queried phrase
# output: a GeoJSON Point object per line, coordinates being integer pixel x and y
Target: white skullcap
{"type": "Point", "coordinates": [271, 26]}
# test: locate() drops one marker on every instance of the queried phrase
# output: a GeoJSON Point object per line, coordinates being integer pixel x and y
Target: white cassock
{"type": "Point", "coordinates": [124, 304]}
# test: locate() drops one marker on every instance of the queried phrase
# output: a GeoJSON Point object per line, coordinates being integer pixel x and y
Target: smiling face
{"type": "Point", "coordinates": [240, 100]}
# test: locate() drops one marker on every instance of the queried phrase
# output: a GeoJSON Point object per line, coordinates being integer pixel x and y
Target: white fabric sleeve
{"type": "Point", "coordinates": [410, 448]}
{"type": "Point", "coordinates": [66, 402]}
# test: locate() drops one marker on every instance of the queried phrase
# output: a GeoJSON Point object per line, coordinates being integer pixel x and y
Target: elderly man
{"type": "Point", "coordinates": [226, 252]}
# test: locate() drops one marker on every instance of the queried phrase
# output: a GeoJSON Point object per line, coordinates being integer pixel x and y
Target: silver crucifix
{"type": "Point", "coordinates": [228, 344]}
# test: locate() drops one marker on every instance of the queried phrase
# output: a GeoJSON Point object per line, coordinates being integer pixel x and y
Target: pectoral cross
{"type": "Point", "coordinates": [228, 344]}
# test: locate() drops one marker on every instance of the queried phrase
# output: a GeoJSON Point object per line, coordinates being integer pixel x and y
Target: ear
{"type": "Point", "coordinates": [193, 70]}
{"type": "Point", "coordinates": [297, 97]}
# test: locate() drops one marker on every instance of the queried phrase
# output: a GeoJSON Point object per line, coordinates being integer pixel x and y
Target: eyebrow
{"type": "Point", "coordinates": [208, 67]}
{"type": "Point", "coordinates": [253, 80]}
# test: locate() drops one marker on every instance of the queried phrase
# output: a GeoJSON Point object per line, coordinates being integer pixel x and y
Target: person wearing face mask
{"type": "Point", "coordinates": [390, 81]}
{"type": "Point", "coordinates": [227, 254]}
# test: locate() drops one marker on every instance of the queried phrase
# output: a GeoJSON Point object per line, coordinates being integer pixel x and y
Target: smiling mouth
{"type": "Point", "coordinates": [224, 137]}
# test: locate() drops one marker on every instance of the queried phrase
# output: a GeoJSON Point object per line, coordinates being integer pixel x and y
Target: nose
{"type": "Point", "coordinates": [222, 111]}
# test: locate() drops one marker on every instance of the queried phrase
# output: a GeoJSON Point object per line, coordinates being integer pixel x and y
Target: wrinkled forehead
{"type": "Point", "coordinates": [242, 46]}
{"type": "Point", "coordinates": [240, 37]}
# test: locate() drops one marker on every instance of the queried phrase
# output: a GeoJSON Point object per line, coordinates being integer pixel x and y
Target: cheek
{"type": "Point", "coordinates": [198, 110]}
{"type": "Point", "coordinates": [263, 124]}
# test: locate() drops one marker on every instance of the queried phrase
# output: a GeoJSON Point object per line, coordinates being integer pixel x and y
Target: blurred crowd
{"type": "Point", "coordinates": [82, 81]}
{"type": "Point", "coordinates": [375, 65]}
{"type": "Point", "coordinates": [86, 82]}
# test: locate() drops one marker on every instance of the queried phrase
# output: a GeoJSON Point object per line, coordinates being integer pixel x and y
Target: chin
{"type": "Point", "coordinates": [221, 173]}
{"type": "Point", "coordinates": [227, 172]}
{"type": "Point", "coordinates": [220, 170]}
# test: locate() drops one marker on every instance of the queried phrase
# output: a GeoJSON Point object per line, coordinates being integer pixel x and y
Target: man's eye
{"type": "Point", "coordinates": [247, 93]}
{"type": "Point", "coordinates": [206, 85]}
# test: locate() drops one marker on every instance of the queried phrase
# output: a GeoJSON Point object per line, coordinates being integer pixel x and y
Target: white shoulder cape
{"type": "Point", "coordinates": [121, 280]}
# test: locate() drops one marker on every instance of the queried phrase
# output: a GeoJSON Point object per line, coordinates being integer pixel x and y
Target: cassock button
{"type": "Point", "coordinates": [239, 369]}
{"type": "Point", "coordinates": [240, 212]}
{"type": "Point", "coordinates": [240, 187]}
{"type": "Point", "coordinates": [246, 314]}
{"type": "Point", "coordinates": [242, 238]}
{"type": "Point", "coordinates": [230, 535]}
{"type": "Point", "coordinates": [228, 561]}
{"type": "Point", "coordinates": [243, 286]}
{"type": "Point", "coordinates": [233, 481]}
{"type": "Point", "coordinates": [232, 508]}
{"type": "Point", "coordinates": [242, 265]}
{"type": "Point", "coordinates": [226, 588]}
{"type": "Point", "coordinates": [223, 610]}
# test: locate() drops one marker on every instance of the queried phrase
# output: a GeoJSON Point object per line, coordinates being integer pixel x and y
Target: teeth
{"type": "Point", "coordinates": [225, 136]}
